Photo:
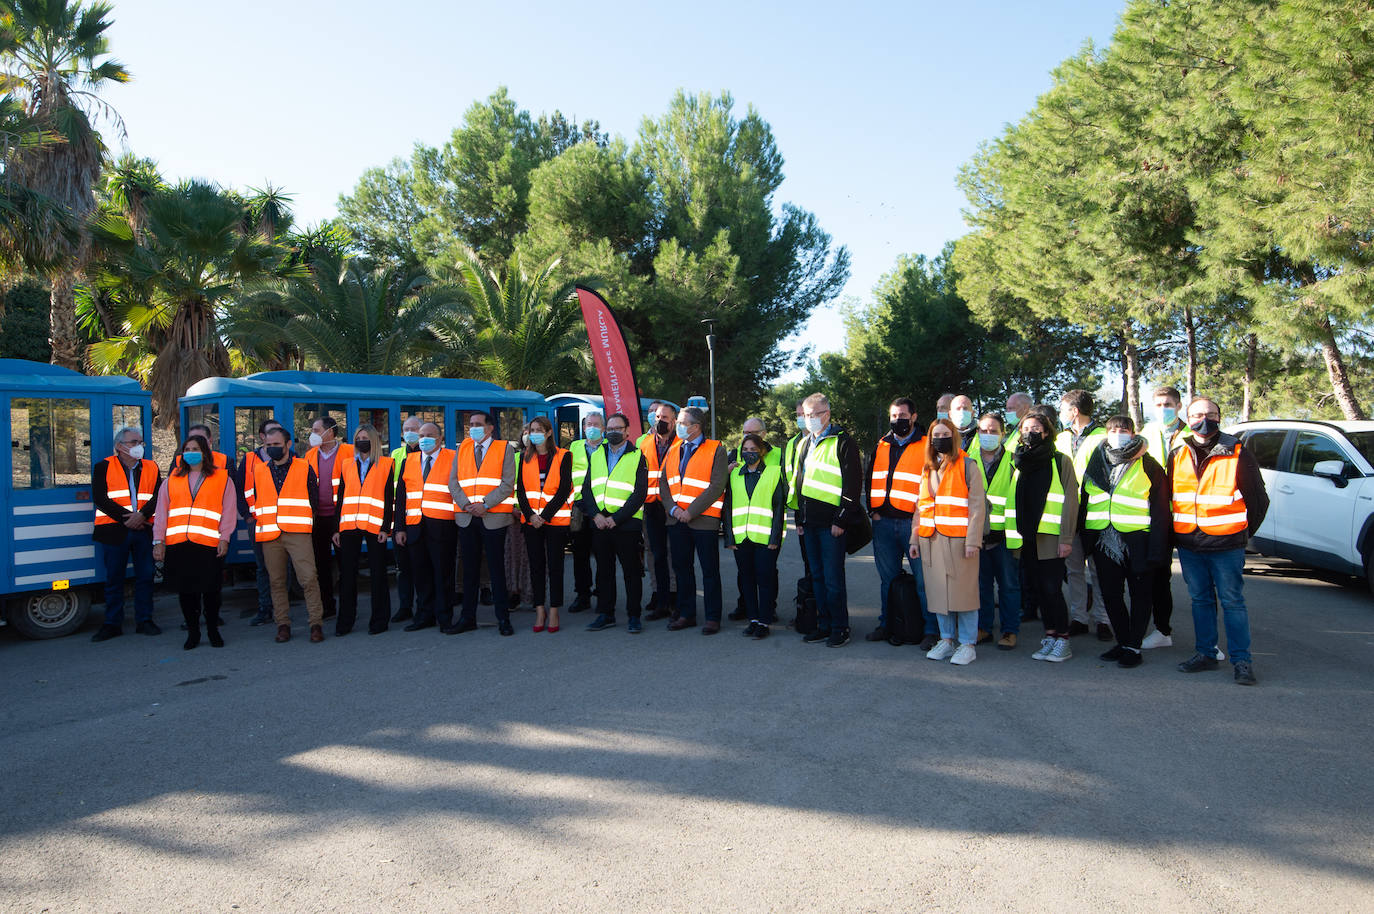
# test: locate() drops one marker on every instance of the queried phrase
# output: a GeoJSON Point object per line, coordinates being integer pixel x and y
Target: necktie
{"type": "Point", "coordinates": [687, 450]}
{"type": "Point", "coordinates": [481, 451]}
{"type": "Point", "coordinates": [429, 461]}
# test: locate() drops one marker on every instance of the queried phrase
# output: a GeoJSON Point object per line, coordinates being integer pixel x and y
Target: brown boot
{"type": "Point", "coordinates": [283, 634]}
{"type": "Point", "coordinates": [316, 634]}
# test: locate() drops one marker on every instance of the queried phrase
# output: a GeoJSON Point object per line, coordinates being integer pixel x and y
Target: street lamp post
{"type": "Point", "coordinates": [710, 323]}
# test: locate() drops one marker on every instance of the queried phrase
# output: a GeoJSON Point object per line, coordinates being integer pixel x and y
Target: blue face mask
{"type": "Point", "coordinates": [427, 444]}
{"type": "Point", "coordinates": [682, 431]}
{"type": "Point", "coordinates": [412, 438]}
{"type": "Point", "coordinates": [989, 442]}
{"type": "Point", "coordinates": [1011, 418]}
{"type": "Point", "coordinates": [1166, 414]}
{"type": "Point", "coordinates": [594, 432]}
{"type": "Point", "coordinates": [536, 438]}
{"type": "Point", "coordinates": [801, 423]}
{"type": "Point", "coordinates": [192, 458]}
{"type": "Point", "coordinates": [942, 414]}
{"type": "Point", "coordinates": [477, 432]}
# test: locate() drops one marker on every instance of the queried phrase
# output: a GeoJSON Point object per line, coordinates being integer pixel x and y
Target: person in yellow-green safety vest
{"type": "Point", "coordinates": [1125, 523]}
{"type": "Point", "coordinates": [1079, 438]}
{"type": "Point", "coordinates": [613, 498]}
{"type": "Point", "coordinates": [405, 560]}
{"type": "Point", "coordinates": [752, 426]}
{"type": "Point", "coordinates": [754, 520]}
{"type": "Point", "coordinates": [1162, 434]}
{"type": "Point", "coordinates": [580, 539]}
{"type": "Point", "coordinates": [999, 573]}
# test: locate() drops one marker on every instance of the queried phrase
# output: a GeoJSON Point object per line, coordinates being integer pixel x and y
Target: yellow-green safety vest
{"type": "Point", "coordinates": [1159, 441]}
{"type": "Point", "coordinates": [612, 490]}
{"type": "Point", "coordinates": [1000, 490]}
{"type": "Point", "coordinates": [822, 480]}
{"type": "Point", "coordinates": [1093, 440]}
{"type": "Point", "coordinates": [751, 518]}
{"type": "Point", "coordinates": [1127, 507]}
{"type": "Point", "coordinates": [789, 466]}
{"type": "Point", "coordinates": [1054, 508]}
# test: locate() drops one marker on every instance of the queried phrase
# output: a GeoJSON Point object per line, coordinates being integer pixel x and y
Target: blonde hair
{"type": "Point", "coordinates": [370, 430]}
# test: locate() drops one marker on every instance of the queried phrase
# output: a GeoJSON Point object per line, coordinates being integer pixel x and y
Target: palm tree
{"type": "Point", "coordinates": [343, 317]}
{"type": "Point", "coordinates": [515, 330]}
{"type": "Point", "coordinates": [31, 225]}
{"type": "Point", "coordinates": [48, 56]}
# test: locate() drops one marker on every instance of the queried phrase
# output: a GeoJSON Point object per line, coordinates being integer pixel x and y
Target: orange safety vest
{"type": "Point", "coordinates": [342, 455]}
{"type": "Point", "coordinates": [364, 500]}
{"type": "Point", "coordinates": [428, 497]}
{"type": "Point", "coordinates": [946, 509]}
{"type": "Point", "coordinates": [477, 483]}
{"type": "Point", "coordinates": [540, 495]}
{"type": "Point", "coordinates": [688, 486]}
{"type": "Point", "coordinates": [287, 511]}
{"type": "Point", "coordinates": [650, 451]}
{"type": "Point", "coordinates": [117, 487]}
{"type": "Point", "coordinates": [906, 478]}
{"type": "Point", "coordinates": [195, 517]}
{"type": "Point", "coordinates": [1212, 504]}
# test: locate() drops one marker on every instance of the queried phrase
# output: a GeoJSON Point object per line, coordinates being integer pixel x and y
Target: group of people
{"type": "Point", "coordinates": [994, 515]}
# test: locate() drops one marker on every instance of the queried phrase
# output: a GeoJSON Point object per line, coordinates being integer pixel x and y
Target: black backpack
{"type": "Point", "coordinates": [905, 625]}
{"type": "Point", "coordinates": [805, 604]}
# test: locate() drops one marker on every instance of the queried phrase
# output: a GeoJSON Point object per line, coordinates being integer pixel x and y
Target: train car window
{"type": "Point", "coordinates": [204, 414]}
{"type": "Point", "coordinates": [307, 413]}
{"type": "Point", "coordinates": [246, 422]}
{"type": "Point", "coordinates": [425, 413]}
{"type": "Point", "coordinates": [510, 422]}
{"type": "Point", "coordinates": [50, 442]}
{"type": "Point", "coordinates": [379, 417]}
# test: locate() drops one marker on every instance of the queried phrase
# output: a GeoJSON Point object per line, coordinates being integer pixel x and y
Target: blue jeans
{"type": "Point", "coordinates": [891, 544]}
{"type": "Point", "coordinates": [139, 545]}
{"type": "Point", "coordinates": [1213, 576]}
{"type": "Point", "coordinates": [967, 624]}
{"type": "Point", "coordinates": [684, 542]}
{"type": "Point", "coordinates": [998, 565]}
{"type": "Point", "coordinates": [264, 582]}
{"type": "Point", "coordinates": [825, 556]}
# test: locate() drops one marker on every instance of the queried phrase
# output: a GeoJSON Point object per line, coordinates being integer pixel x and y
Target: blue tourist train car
{"type": "Point", "coordinates": [566, 412]}
{"type": "Point", "coordinates": [234, 408]}
{"type": "Point", "coordinates": [59, 422]}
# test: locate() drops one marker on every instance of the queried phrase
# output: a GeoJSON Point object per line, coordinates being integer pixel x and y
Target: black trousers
{"type": "Point", "coordinates": [1045, 579]}
{"type": "Point", "coordinates": [620, 544]}
{"type": "Point", "coordinates": [433, 555]}
{"type": "Point", "coordinates": [405, 576]}
{"type": "Point", "coordinates": [322, 537]}
{"type": "Point", "coordinates": [581, 542]}
{"type": "Point", "coordinates": [192, 604]}
{"type": "Point", "coordinates": [656, 528]}
{"type": "Point", "coordinates": [757, 567]}
{"type": "Point", "coordinates": [1030, 600]}
{"type": "Point", "coordinates": [1113, 581]}
{"type": "Point", "coordinates": [351, 544]}
{"type": "Point", "coordinates": [544, 546]}
{"type": "Point", "coordinates": [1162, 597]}
{"type": "Point", "coordinates": [474, 540]}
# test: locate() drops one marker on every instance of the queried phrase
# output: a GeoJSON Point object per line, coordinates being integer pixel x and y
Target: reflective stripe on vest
{"type": "Point", "coordinates": [1054, 508]}
{"type": "Point", "coordinates": [648, 446]}
{"type": "Point", "coordinates": [364, 500]}
{"type": "Point", "coordinates": [539, 495]}
{"type": "Point", "coordinates": [1126, 507]}
{"type": "Point", "coordinates": [946, 509]}
{"type": "Point", "coordinates": [195, 518]}
{"type": "Point", "coordinates": [250, 465]}
{"type": "Point", "coordinates": [428, 497]}
{"type": "Point", "coordinates": [479, 482]}
{"type": "Point", "coordinates": [1212, 504]}
{"type": "Point", "coordinates": [789, 466]}
{"type": "Point", "coordinates": [613, 489]}
{"type": "Point", "coordinates": [999, 489]}
{"type": "Point", "coordinates": [751, 517]}
{"type": "Point", "coordinates": [686, 487]}
{"type": "Point", "coordinates": [906, 477]}
{"type": "Point", "coordinates": [821, 479]}
{"type": "Point", "coordinates": [117, 487]}
{"type": "Point", "coordinates": [287, 511]}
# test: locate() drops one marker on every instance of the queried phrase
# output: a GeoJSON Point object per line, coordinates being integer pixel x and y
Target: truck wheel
{"type": "Point", "coordinates": [50, 614]}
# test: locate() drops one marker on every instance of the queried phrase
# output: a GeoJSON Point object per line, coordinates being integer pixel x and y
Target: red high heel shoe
{"type": "Point", "coordinates": [552, 616]}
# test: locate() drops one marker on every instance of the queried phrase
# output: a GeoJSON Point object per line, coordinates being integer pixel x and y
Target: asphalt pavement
{"type": "Point", "coordinates": [669, 771]}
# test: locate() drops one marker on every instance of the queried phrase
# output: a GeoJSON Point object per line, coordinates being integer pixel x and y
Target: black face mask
{"type": "Point", "coordinates": [1034, 438]}
{"type": "Point", "coordinates": [751, 457]}
{"type": "Point", "coordinates": [663, 426]}
{"type": "Point", "coordinates": [364, 446]}
{"type": "Point", "coordinates": [1206, 428]}
{"type": "Point", "coordinates": [614, 437]}
{"type": "Point", "coordinates": [275, 452]}
{"type": "Point", "coordinates": [901, 427]}
{"type": "Point", "coordinates": [942, 445]}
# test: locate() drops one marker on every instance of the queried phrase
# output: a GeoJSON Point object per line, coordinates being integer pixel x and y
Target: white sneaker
{"type": "Point", "coordinates": [1220, 654]}
{"type": "Point", "coordinates": [1046, 645]}
{"type": "Point", "coordinates": [941, 651]}
{"type": "Point", "coordinates": [964, 655]}
{"type": "Point", "coordinates": [1060, 652]}
{"type": "Point", "coordinates": [1155, 639]}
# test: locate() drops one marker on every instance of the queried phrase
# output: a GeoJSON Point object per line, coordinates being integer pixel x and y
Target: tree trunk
{"type": "Point", "coordinates": [1130, 381]}
{"type": "Point", "coordinates": [1190, 332]}
{"type": "Point", "coordinates": [1335, 368]}
{"type": "Point", "coordinates": [67, 349]}
{"type": "Point", "coordinates": [1251, 356]}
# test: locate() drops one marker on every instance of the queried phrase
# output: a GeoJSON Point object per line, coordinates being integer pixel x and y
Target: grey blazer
{"type": "Point", "coordinates": [494, 497]}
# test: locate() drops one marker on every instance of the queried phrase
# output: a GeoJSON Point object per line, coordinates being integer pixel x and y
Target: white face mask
{"type": "Point", "coordinates": [136, 452]}
{"type": "Point", "coordinates": [961, 418]}
{"type": "Point", "coordinates": [315, 440]}
{"type": "Point", "coordinates": [815, 424]}
{"type": "Point", "coordinates": [1117, 440]}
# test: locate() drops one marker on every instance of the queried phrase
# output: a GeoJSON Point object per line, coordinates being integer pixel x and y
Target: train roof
{"type": "Point", "coordinates": [347, 386]}
{"type": "Point", "coordinates": [597, 401]}
{"type": "Point", "coordinates": [24, 375]}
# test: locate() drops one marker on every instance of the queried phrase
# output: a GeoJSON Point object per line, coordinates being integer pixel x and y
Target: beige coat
{"type": "Point", "coordinates": [951, 579]}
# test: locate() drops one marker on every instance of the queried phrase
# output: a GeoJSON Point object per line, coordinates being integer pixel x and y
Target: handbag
{"type": "Point", "coordinates": [859, 535]}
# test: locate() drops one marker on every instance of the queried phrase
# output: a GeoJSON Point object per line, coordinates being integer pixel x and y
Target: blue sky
{"type": "Point", "coordinates": [874, 105]}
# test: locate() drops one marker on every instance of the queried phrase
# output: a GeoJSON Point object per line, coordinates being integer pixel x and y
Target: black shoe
{"type": "Point", "coordinates": [1115, 653]}
{"type": "Point", "coordinates": [656, 614]}
{"type": "Point", "coordinates": [1104, 632]}
{"type": "Point", "coordinates": [184, 628]}
{"type": "Point", "coordinates": [817, 636]}
{"type": "Point", "coordinates": [403, 614]}
{"type": "Point", "coordinates": [506, 629]}
{"type": "Point", "coordinates": [192, 639]}
{"type": "Point", "coordinates": [461, 628]}
{"type": "Point", "coordinates": [340, 632]}
{"type": "Point", "coordinates": [581, 604]}
{"type": "Point", "coordinates": [601, 623]}
{"type": "Point", "coordinates": [1130, 659]}
{"type": "Point", "coordinates": [750, 629]}
{"type": "Point", "coordinates": [928, 642]}
{"type": "Point", "coordinates": [1197, 663]}
{"type": "Point", "coordinates": [484, 596]}
{"type": "Point", "coordinates": [376, 631]}
{"type": "Point", "coordinates": [419, 624]}
{"type": "Point", "coordinates": [1076, 629]}
{"type": "Point", "coordinates": [761, 632]}
{"type": "Point", "coordinates": [107, 632]}
{"type": "Point", "coordinates": [261, 619]}
{"type": "Point", "coordinates": [148, 627]}
{"type": "Point", "coordinates": [215, 639]}
{"type": "Point", "coordinates": [838, 638]}
{"type": "Point", "coordinates": [1245, 674]}
{"type": "Point", "coordinates": [738, 615]}
{"type": "Point", "coordinates": [878, 634]}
